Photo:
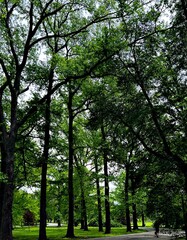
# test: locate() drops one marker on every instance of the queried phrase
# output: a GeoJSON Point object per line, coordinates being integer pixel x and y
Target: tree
{"type": "Point", "coordinates": [167, 206]}
{"type": "Point", "coordinates": [24, 201]}
{"type": "Point", "coordinates": [21, 41]}
{"type": "Point", "coordinates": [155, 116]}
{"type": "Point", "coordinates": [98, 122]}
{"type": "Point", "coordinates": [44, 161]}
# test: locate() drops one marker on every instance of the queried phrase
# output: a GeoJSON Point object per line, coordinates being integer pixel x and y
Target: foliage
{"type": "Point", "coordinates": [117, 65]}
{"type": "Point", "coordinates": [25, 202]}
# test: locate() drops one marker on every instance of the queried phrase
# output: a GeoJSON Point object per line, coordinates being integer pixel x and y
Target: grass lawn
{"type": "Point", "coordinates": [56, 233]}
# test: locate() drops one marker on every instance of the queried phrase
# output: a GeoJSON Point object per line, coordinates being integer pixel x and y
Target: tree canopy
{"type": "Point", "coordinates": [93, 95]}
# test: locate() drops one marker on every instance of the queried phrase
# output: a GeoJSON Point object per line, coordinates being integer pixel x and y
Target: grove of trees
{"type": "Point", "coordinates": [93, 110]}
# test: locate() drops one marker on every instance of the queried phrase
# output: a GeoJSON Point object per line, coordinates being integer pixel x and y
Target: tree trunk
{"type": "Point", "coordinates": [84, 212]}
{"type": "Point", "coordinates": [128, 222]}
{"type": "Point", "coordinates": [107, 202]}
{"type": "Point", "coordinates": [100, 221]}
{"type": "Point", "coordinates": [42, 229]}
{"type": "Point", "coordinates": [43, 215]}
{"type": "Point", "coordinates": [135, 222]}
{"type": "Point", "coordinates": [185, 203]}
{"type": "Point", "coordinates": [70, 229]}
{"type": "Point", "coordinates": [2, 184]}
{"type": "Point", "coordinates": [84, 223]}
{"type": "Point", "coordinates": [59, 223]}
{"type": "Point", "coordinates": [143, 220]}
{"type": "Point", "coordinates": [7, 189]}
{"type": "Point", "coordinates": [1, 200]}
{"type": "Point", "coordinates": [6, 217]}
{"type": "Point", "coordinates": [134, 212]}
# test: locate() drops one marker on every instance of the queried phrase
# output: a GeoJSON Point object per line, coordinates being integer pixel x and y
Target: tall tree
{"type": "Point", "coordinates": [106, 180]}
{"type": "Point", "coordinates": [158, 75]}
{"type": "Point", "coordinates": [22, 41]}
{"type": "Point", "coordinates": [43, 216]}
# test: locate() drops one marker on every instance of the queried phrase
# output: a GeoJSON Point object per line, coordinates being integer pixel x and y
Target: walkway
{"type": "Point", "coordinates": [136, 236]}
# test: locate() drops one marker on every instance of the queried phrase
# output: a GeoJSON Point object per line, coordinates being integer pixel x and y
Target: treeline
{"type": "Point", "coordinates": [93, 93]}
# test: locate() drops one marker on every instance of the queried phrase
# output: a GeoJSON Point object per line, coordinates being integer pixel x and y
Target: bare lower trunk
{"type": "Point", "coordinates": [6, 217]}
{"type": "Point", "coordinates": [99, 207]}
{"type": "Point", "coordinates": [184, 203]}
{"type": "Point", "coordinates": [59, 223]}
{"type": "Point", "coordinates": [84, 223]}
{"type": "Point", "coordinates": [100, 221]}
{"type": "Point", "coordinates": [70, 229]}
{"type": "Point", "coordinates": [84, 213]}
{"type": "Point", "coordinates": [128, 222]}
{"type": "Point", "coordinates": [42, 230]}
{"type": "Point", "coordinates": [143, 220]}
{"type": "Point", "coordinates": [107, 202]}
{"type": "Point", "coordinates": [2, 185]}
{"type": "Point", "coordinates": [134, 214]}
{"type": "Point", "coordinates": [127, 199]}
{"type": "Point", "coordinates": [7, 189]}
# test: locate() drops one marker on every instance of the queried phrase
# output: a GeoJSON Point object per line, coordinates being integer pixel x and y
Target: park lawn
{"type": "Point", "coordinates": [56, 233]}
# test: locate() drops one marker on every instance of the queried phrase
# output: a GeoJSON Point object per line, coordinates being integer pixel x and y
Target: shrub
{"type": "Point", "coordinates": [28, 218]}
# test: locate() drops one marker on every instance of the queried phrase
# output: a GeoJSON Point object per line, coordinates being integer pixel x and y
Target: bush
{"type": "Point", "coordinates": [28, 218]}
{"type": "Point", "coordinates": [93, 223]}
{"type": "Point", "coordinates": [116, 224]}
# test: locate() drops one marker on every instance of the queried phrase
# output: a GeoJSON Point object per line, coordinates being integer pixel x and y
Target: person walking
{"type": "Point", "coordinates": [156, 226]}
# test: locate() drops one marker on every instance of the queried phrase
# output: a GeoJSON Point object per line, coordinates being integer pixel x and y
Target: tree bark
{"type": "Point", "coordinates": [185, 202]}
{"type": "Point", "coordinates": [84, 212]}
{"type": "Point", "coordinates": [143, 220]}
{"type": "Point", "coordinates": [107, 192]}
{"type": "Point", "coordinates": [42, 229]}
{"type": "Point", "coordinates": [70, 229]}
{"type": "Point", "coordinates": [134, 215]}
{"type": "Point", "coordinates": [7, 189]}
{"type": "Point", "coordinates": [43, 215]}
{"type": "Point", "coordinates": [100, 221]}
{"type": "Point", "coordinates": [128, 222]}
{"type": "Point", "coordinates": [84, 223]}
{"type": "Point", "coordinates": [8, 140]}
{"type": "Point", "coordinates": [6, 217]}
{"type": "Point", "coordinates": [2, 185]}
{"type": "Point", "coordinates": [83, 207]}
{"type": "Point", "coordinates": [134, 212]}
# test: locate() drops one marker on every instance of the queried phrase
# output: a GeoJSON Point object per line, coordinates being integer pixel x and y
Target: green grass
{"type": "Point", "coordinates": [55, 233]}
{"type": "Point", "coordinates": [148, 223]}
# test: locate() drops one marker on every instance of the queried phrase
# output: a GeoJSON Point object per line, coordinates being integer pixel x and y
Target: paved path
{"type": "Point", "coordinates": [136, 236]}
